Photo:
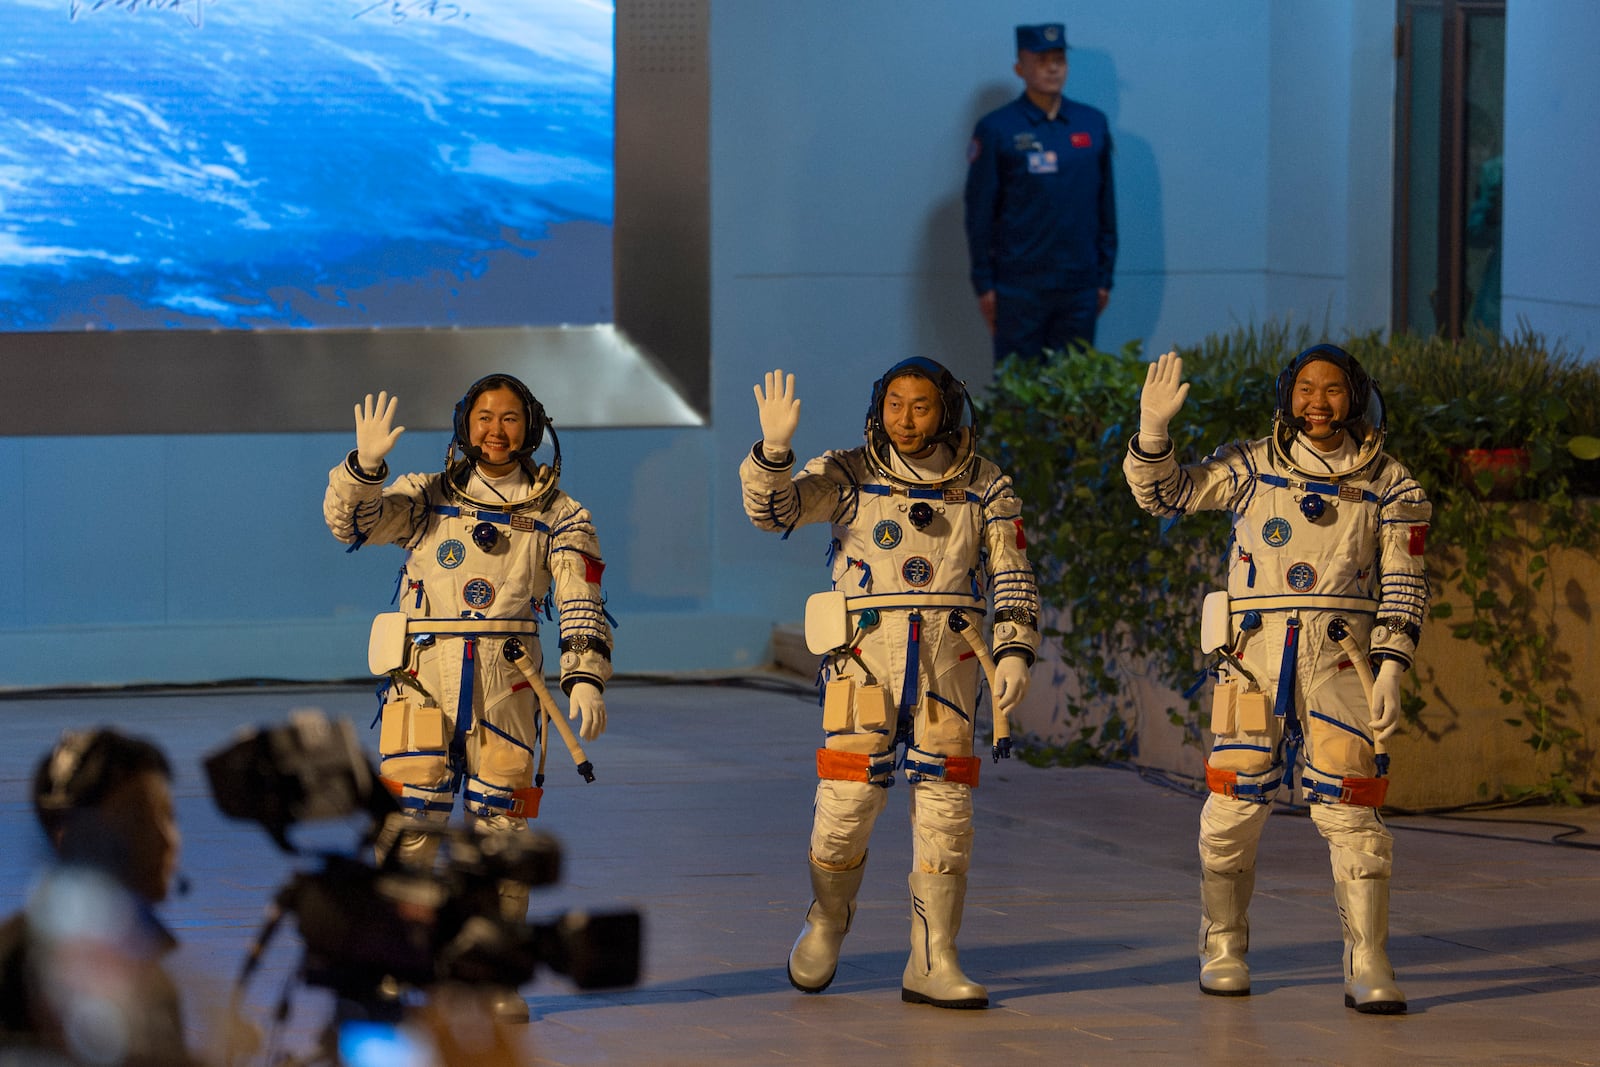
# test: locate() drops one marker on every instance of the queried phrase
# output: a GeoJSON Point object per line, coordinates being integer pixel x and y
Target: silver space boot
{"type": "Point", "coordinates": [506, 1003]}
{"type": "Point", "coordinates": [933, 974]}
{"type": "Point", "coordinates": [1225, 932]}
{"type": "Point", "coordinates": [815, 956]}
{"type": "Point", "coordinates": [1369, 985]}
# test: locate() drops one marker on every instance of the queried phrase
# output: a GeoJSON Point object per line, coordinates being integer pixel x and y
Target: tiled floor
{"type": "Point", "coordinates": [1080, 918]}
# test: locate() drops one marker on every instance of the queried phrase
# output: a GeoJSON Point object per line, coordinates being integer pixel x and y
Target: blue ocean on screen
{"type": "Point", "coordinates": [250, 164]}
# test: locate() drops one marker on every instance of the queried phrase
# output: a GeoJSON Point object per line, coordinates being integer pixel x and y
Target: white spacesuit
{"type": "Point", "coordinates": [926, 536]}
{"type": "Point", "coordinates": [1325, 571]}
{"type": "Point", "coordinates": [485, 539]}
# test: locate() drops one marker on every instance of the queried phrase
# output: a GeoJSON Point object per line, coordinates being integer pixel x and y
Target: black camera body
{"type": "Point", "coordinates": [369, 927]}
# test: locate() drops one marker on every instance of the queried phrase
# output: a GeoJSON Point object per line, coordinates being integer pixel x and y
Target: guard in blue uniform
{"type": "Point", "coordinates": [1040, 207]}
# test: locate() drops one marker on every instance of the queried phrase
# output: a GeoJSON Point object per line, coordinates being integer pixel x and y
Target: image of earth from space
{"type": "Point", "coordinates": [265, 164]}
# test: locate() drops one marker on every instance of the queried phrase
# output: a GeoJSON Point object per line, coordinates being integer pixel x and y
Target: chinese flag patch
{"type": "Point", "coordinates": [1082, 140]}
{"type": "Point", "coordinates": [592, 568]}
{"type": "Point", "coordinates": [974, 150]}
{"type": "Point", "coordinates": [1419, 540]}
{"type": "Point", "coordinates": [1022, 539]}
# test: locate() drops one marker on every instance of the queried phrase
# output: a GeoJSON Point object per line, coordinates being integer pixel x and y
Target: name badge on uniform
{"type": "Point", "coordinates": [1042, 163]}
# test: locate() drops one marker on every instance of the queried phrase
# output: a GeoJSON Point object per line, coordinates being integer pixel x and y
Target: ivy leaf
{"type": "Point", "coordinates": [1585, 447]}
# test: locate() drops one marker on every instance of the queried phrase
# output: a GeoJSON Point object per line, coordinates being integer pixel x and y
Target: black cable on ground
{"type": "Point", "coordinates": [770, 681]}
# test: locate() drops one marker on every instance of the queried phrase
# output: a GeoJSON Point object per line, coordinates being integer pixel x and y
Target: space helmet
{"type": "Point", "coordinates": [1366, 422]}
{"type": "Point", "coordinates": [544, 476]}
{"type": "Point", "coordinates": [958, 421]}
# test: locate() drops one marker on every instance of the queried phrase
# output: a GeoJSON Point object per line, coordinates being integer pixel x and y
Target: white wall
{"type": "Point", "coordinates": [1252, 181]}
{"type": "Point", "coordinates": [1551, 213]}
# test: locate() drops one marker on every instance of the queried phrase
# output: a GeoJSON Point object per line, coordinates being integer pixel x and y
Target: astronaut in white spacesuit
{"type": "Point", "coordinates": [1325, 579]}
{"type": "Point", "coordinates": [926, 536]}
{"type": "Point", "coordinates": [485, 539]}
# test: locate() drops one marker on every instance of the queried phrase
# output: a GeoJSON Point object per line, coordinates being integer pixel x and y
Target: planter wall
{"type": "Point", "coordinates": [1460, 751]}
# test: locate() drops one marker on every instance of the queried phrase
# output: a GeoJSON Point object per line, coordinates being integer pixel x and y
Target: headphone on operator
{"type": "Point", "coordinates": [84, 766]}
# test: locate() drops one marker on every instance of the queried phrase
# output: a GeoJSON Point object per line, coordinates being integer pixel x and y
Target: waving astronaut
{"type": "Point", "coordinates": [485, 539]}
{"type": "Point", "coordinates": [927, 535]}
{"type": "Point", "coordinates": [1325, 579]}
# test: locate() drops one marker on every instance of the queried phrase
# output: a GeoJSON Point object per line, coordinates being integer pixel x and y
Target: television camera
{"type": "Point", "coordinates": [376, 932]}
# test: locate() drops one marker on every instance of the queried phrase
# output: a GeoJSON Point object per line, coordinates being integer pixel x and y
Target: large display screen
{"type": "Point", "coordinates": [289, 164]}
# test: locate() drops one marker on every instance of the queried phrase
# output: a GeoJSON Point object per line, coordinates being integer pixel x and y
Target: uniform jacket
{"type": "Point", "coordinates": [1040, 205]}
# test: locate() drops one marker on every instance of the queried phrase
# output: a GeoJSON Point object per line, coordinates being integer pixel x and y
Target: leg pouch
{"type": "Point", "coordinates": [855, 717]}
{"type": "Point", "coordinates": [942, 730]}
{"type": "Point", "coordinates": [836, 705]}
{"type": "Point", "coordinates": [1338, 749]}
{"type": "Point", "coordinates": [502, 762]}
{"type": "Point", "coordinates": [1224, 697]}
{"type": "Point", "coordinates": [409, 727]}
{"type": "Point", "coordinates": [872, 707]}
{"type": "Point", "coordinates": [1252, 711]}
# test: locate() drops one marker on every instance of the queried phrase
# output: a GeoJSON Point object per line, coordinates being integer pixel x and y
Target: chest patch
{"type": "Point", "coordinates": [1277, 532]}
{"type": "Point", "coordinates": [478, 593]}
{"type": "Point", "coordinates": [887, 534]}
{"type": "Point", "coordinates": [1302, 576]}
{"type": "Point", "coordinates": [452, 554]}
{"type": "Point", "coordinates": [917, 572]}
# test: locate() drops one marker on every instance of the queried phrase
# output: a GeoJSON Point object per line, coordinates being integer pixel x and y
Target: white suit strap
{"type": "Point", "coordinates": [1359, 605]}
{"type": "Point", "coordinates": [472, 627]}
{"type": "Point", "coordinates": [912, 601]}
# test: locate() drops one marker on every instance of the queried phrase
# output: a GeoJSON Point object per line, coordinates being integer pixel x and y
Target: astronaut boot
{"type": "Point", "coordinates": [1225, 932]}
{"type": "Point", "coordinates": [1369, 985]}
{"type": "Point", "coordinates": [933, 974]}
{"type": "Point", "coordinates": [506, 1003]}
{"type": "Point", "coordinates": [815, 956]}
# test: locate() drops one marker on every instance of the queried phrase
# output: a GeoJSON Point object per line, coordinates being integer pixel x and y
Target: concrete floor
{"type": "Point", "coordinates": [1080, 919]}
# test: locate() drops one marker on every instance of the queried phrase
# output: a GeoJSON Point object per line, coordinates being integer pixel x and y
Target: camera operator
{"type": "Point", "coordinates": [81, 977]}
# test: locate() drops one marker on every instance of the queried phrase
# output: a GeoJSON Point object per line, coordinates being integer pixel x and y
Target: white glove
{"type": "Point", "coordinates": [780, 414]}
{"type": "Point", "coordinates": [1011, 675]}
{"type": "Point", "coordinates": [587, 707]}
{"type": "Point", "coordinates": [1164, 393]}
{"type": "Point", "coordinates": [376, 432]}
{"type": "Point", "coordinates": [1385, 707]}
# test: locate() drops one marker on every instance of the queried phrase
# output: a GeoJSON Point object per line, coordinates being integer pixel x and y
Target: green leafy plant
{"type": "Point", "coordinates": [1122, 588]}
{"type": "Point", "coordinates": [1492, 537]}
